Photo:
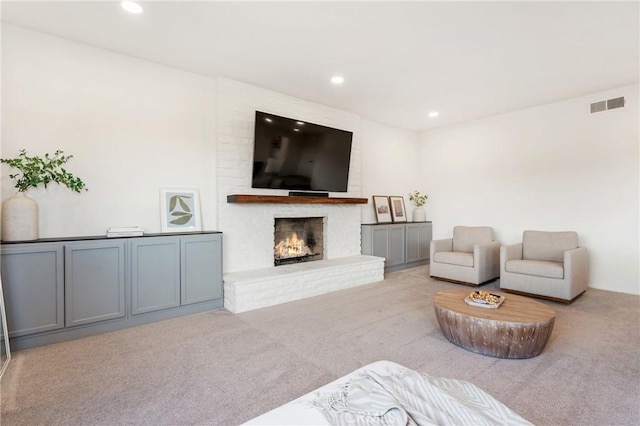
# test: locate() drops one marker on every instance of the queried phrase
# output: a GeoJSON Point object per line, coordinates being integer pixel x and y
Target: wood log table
{"type": "Point", "coordinates": [519, 328]}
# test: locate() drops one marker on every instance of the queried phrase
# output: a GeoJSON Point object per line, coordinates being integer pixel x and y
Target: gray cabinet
{"type": "Point", "coordinates": [168, 271]}
{"type": "Point", "coordinates": [403, 245]}
{"type": "Point", "coordinates": [396, 245]}
{"type": "Point", "coordinates": [155, 274]}
{"type": "Point", "coordinates": [386, 241]}
{"type": "Point", "coordinates": [33, 284]}
{"type": "Point", "coordinates": [65, 289]}
{"type": "Point", "coordinates": [418, 241]}
{"type": "Point", "coordinates": [201, 259]}
{"type": "Point", "coordinates": [94, 281]}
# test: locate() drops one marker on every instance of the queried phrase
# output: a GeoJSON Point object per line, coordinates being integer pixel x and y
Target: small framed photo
{"type": "Point", "coordinates": [398, 212]}
{"type": "Point", "coordinates": [382, 208]}
{"type": "Point", "coordinates": [180, 210]}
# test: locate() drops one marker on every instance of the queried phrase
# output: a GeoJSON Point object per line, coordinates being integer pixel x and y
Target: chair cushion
{"type": "Point", "coordinates": [465, 237]}
{"type": "Point", "coordinates": [538, 268]}
{"type": "Point", "coordinates": [547, 246]}
{"type": "Point", "coordinates": [454, 258]}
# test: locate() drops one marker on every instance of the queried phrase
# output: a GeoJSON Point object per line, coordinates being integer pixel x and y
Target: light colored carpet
{"type": "Point", "coordinates": [219, 368]}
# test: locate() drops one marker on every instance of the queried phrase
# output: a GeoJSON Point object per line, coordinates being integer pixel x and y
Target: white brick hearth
{"type": "Point", "coordinates": [259, 288]}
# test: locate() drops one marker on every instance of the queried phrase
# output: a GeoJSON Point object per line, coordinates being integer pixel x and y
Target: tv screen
{"type": "Point", "coordinates": [298, 155]}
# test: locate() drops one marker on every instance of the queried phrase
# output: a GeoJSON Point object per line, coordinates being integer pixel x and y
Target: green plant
{"type": "Point", "coordinates": [34, 171]}
{"type": "Point", "coordinates": [418, 199]}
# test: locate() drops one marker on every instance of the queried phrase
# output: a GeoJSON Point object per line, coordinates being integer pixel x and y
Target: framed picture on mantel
{"type": "Point", "coordinates": [382, 209]}
{"type": "Point", "coordinates": [398, 212]}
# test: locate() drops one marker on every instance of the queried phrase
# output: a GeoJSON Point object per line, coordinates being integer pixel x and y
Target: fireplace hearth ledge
{"type": "Point", "coordinates": [259, 288]}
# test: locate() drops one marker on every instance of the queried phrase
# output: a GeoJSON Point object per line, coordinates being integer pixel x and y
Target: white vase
{"type": "Point", "coordinates": [419, 214]}
{"type": "Point", "coordinates": [19, 218]}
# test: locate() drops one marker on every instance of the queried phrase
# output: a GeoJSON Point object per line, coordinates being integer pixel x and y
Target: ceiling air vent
{"type": "Point", "coordinates": [598, 106]}
{"type": "Point", "coordinates": [612, 103]}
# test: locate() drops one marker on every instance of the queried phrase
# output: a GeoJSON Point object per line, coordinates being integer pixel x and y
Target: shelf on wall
{"type": "Point", "coordinates": [288, 199]}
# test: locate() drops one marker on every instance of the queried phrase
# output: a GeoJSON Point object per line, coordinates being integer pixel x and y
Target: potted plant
{"type": "Point", "coordinates": [20, 212]}
{"type": "Point", "coordinates": [418, 200]}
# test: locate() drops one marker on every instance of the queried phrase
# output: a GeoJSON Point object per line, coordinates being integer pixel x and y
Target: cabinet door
{"type": "Point", "coordinates": [425, 240]}
{"type": "Point", "coordinates": [201, 270]}
{"type": "Point", "coordinates": [396, 245]}
{"type": "Point", "coordinates": [381, 242]}
{"type": "Point", "coordinates": [94, 281]}
{"type": "Point", "coordinates": [155, 274]}
{"type": "Point", "coordinates": [33, 286]}
{"type": "Point", "coordinates": [413, 242]}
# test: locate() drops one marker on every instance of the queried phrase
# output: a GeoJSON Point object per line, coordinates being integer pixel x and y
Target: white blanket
{"type": "Point", "coordinates": [406, 397]}
{"type": "Point", "coordinates": [388, 393]}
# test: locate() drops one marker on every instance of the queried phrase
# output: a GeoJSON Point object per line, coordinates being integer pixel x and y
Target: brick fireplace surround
{"type": "Point", "coordinates": [262, 287]}
{"type": "Point", "coordinates": [251, 280]}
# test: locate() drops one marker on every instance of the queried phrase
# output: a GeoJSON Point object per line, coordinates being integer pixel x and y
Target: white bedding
{"type": "Point", "coordinates": [442, 401]}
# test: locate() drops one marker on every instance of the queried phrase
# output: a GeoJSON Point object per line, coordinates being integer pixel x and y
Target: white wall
{"type": "Point", "coordinates": [133, 127]}
{"type": "Point", "coordinates": [390, 165]}
{"type": "Point", "coordinates": [552, 167]}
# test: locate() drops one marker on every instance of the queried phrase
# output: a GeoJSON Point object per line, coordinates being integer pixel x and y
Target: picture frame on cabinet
{"type": "Point", "coordinates": [398, 212]}
{"type": "Point", "coordinates": [180, 210]}
{"type": "Point", "coordinates": [382, 208]}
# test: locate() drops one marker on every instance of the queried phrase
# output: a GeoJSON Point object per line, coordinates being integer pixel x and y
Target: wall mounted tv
{"type": "Point", "coordinates": [298, 155]}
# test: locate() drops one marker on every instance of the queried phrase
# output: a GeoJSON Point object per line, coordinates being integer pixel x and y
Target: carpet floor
{"type": "Point", "coordinates": [219, 368]}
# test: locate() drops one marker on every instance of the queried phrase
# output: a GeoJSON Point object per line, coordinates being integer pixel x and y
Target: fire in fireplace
{"type": "Point", "coordinates": [298, 240]}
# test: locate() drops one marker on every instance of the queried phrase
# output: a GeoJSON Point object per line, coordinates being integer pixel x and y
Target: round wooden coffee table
{"type": "Point", "coordinates": [519, 328]}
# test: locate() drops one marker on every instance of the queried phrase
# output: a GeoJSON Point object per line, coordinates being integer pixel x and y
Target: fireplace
{"type": "Point", "coordinates": [298, 239]}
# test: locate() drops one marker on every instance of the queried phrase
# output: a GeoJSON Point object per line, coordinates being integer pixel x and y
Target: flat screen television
{"type": "Point", "coordinates": [298, 155]}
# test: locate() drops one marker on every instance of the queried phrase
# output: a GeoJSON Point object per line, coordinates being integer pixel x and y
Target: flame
{"type": "Point", "coordinates": [291, 247]}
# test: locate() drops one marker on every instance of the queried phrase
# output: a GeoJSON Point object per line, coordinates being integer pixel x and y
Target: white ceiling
{"type": "Point", "coordinates": [400, 60]}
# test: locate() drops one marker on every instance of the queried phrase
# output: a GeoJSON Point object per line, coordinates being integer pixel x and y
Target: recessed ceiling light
{"type": "Point", "coordinates": [131, 7]}
{"type": "Point", "coordinates": [337, 79]}
{"type": "Point", "coordinates": [300, 123]}
{"type": "Point", "coordinates": [268, 120]}
{"type": "Point", "coordinates": [433, 114]}
{"type": "Point", "coordinates": [296, 130]}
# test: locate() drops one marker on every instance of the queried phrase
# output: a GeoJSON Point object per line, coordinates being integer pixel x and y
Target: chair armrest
{"type": "Point", "coordinates": [487, 255]}
{"type": "Point", "coordinates": [509, 252]}
{"type": "Point", "coordinates": [440, 245]}
{"type": "Point", "coordinates": [486, 258]}
{"type": "Point", "coordinates": [576, 266]}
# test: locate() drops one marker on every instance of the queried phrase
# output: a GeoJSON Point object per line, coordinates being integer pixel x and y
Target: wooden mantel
{"type": "Point", "coordinates": [288, 199]}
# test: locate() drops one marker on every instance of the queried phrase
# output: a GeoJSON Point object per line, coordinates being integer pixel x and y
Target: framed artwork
{"type": "Point", "coordinates": [382, 208]}
{"type": "Point", "coordinates": [180, 210]}
{"type": "Point", "coordinates": [398, 212]}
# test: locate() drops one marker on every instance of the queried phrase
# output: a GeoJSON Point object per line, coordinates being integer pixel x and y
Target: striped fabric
{"type": "Point", "coordinates": [405, 397]}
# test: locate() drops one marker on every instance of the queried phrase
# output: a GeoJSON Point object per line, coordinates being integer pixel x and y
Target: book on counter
{"type": "Point", "coordinates": [124, 231]}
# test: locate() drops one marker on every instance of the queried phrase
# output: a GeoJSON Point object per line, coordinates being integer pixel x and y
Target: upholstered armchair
{"type": "Point", "coordinates": [549, 265]}
{"type": "Point", "coordinates": [471, 257]}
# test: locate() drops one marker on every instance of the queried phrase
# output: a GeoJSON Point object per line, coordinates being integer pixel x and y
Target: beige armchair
{"type": "Point", "coordinates": [549, 265]}
{"type": "Point", "coordinates": [471, 257]}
